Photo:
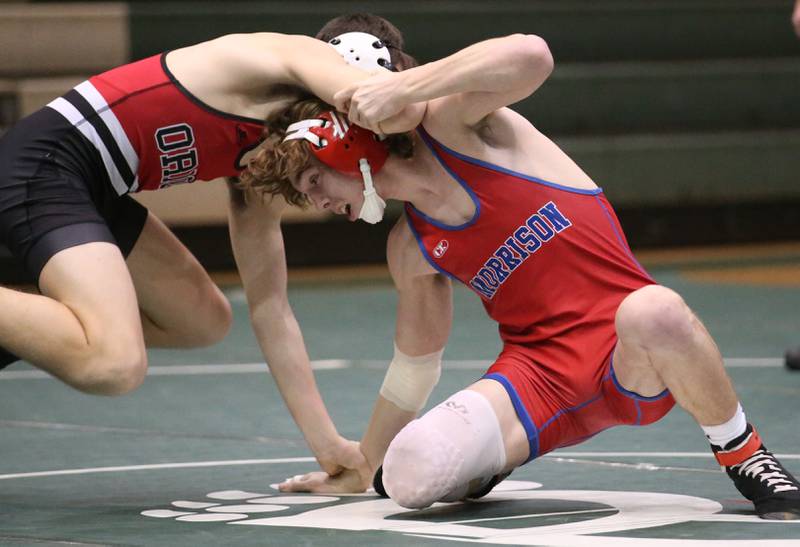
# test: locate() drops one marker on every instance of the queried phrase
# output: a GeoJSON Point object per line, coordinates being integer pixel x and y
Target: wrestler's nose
{"type": "Point", "coordinates": [320, 202]}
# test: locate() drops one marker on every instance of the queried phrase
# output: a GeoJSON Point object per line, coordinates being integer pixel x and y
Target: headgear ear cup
{"type": "Point", "coordinates": [349, 149]}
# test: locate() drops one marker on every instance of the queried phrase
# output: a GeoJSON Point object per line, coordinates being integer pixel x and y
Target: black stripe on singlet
{"type": "Point", "coordinates": [89, 113]}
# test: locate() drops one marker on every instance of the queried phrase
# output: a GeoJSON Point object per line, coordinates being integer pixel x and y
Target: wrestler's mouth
{"type": "Point", "coordinates": [349, 212]}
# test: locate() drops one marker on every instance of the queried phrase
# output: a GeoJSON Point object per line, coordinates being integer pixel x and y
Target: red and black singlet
{"type": "Point", "coordinates": [151, 132]}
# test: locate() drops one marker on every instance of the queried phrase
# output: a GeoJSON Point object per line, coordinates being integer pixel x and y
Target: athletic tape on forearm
{"type": "Point", "coordinates": [410, 380]}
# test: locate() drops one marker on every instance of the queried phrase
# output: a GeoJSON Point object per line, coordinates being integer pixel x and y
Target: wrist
{"type": "Point", "coordinates": [323, 442]}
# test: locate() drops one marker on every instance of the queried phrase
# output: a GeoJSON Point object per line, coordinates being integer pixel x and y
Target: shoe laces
{"type": "Point", "coordinates": [764, 467]}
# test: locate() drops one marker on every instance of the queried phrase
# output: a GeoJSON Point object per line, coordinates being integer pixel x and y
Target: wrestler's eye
{"type": "Point", "coordinates": [314, 180]}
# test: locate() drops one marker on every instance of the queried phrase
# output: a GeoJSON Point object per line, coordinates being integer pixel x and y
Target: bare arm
{"type": "Point", "coordinates": [474, 82]}
{"type": "Point", "coordinates": [253, 71]}
{"type": "Point", "coordinates": [242, 72]}
{"type": "Point", "coordinates": [258, 248]}
{"type": "Point", "coordinates": [424, 316]}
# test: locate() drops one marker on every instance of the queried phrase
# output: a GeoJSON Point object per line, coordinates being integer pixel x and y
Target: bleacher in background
{"type": "Point", "coordinates": [685, 111]}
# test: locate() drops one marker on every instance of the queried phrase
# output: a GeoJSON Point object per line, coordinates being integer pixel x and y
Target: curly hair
{"type": "Point", "coordinates": [277, 162]}
{"type": "Point", "coordinates": [270, 170]}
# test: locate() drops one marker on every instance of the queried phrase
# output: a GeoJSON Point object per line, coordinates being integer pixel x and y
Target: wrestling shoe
{"type": "Point", "coordinates": [760, 477]}
{"type": "Point", "coordinates": [377, 483]}
{"type": "Point", "coordinates": [476, 488]}
{"type": "Point", "coordinates": [480, 487]}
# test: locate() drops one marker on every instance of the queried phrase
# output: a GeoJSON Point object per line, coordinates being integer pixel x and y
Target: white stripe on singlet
{"type": "Point", "coordinates": [74, 117]}
{"type": "Point", "coordinates": [90, 93]}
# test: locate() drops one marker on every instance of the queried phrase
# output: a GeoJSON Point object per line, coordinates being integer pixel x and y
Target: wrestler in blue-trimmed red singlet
{"type": "Point", "coordinates": [551, 266]}
{"type": "Point", "coordinates": [589, 339]}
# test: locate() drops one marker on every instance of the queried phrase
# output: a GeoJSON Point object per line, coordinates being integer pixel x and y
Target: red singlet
{"type": "Point", "coordinates": [151, 132]}
{"type": "Point", "coordinates": [551, 265]}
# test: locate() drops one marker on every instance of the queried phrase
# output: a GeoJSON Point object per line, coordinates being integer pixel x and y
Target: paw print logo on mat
{"type": "Point", "coordinates": [515, 512]}
{"type": "Point", "coordinates": [246, 504]}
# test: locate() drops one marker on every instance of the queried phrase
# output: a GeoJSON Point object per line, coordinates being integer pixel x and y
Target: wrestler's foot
{"type": "Point", "coordinates": [377, 483]}
{"type": "Point", "coordinates": [760, 477]}
{"type": "Point", "coordinates": [476, 488]}
{"type": "Point", "coordinates": [485, 486]}
{"type": "Point", "coordinates": [792, 358]}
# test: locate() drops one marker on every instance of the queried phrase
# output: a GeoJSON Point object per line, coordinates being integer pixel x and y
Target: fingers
{"type": "Point", "coordinates": [358, 112]}
{"type": "Point", "coordinates": [341, 100]}
{"type": "Point", "coordinates": [292, 484]}
{"type": "Point", "coordinates": [322, 483]}
{"type": "Point", "coordinates": [344, 102]}
{"type": "Point", "coordinates": [354, 114]}
{"type": "Point", "coordinates": [310, 482]}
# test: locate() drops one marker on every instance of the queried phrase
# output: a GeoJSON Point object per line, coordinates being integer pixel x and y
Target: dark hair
{"type": "Point", "coordinates": [371, 24]}
{"type": "Point", "coordinates": [275, 165]}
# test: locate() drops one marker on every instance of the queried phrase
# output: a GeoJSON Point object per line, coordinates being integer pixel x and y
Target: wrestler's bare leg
{"type": "Point", "coordinates": [180, 304]}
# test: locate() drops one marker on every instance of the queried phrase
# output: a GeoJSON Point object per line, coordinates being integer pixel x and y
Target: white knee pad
{"type": "Point", "coordinates": [453, 443]}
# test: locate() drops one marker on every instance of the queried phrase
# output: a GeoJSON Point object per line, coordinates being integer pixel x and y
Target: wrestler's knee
{"type": "Point", "coordinates": [420, 466]}
{"type": "Point", "coordinates": [655, 317]}
{"type": "Point", "coordinates": [113, 368]}
{"type": "Point", "coordinates": [434, 457]}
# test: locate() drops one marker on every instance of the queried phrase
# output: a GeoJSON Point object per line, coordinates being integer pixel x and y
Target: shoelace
{"type": "Point", "coordinates": [765, 468]}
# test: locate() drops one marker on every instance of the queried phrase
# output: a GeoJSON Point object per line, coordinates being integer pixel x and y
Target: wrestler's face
{"type": "Point", "coordinates": [329, 190]}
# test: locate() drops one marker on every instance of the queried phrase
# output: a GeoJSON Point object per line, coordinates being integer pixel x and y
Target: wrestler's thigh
{"type": "Point", "coordinates": [514, 435]}
{"type": "Point", "coordinates": [93, 282]}
{"type": "Point", "coordinates": [180, 304]}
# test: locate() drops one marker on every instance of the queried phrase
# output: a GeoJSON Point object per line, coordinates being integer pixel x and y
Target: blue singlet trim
{"type": "Point", "coordinates": [522, 413]}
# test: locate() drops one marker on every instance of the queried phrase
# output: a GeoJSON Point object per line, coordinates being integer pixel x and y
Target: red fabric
{"type": "Point", "coordinates": [551, 265]}
{"type": "Point", "coordinates": [735, 457]}
{"type": "Point", "coordinates": [570, 404]}
{"type": "Point", "coordinates": [567, 289]}
{"type": "Point", "coordinates": [343, 151]}
{"type": "Point", "coordinates": [145, 99]}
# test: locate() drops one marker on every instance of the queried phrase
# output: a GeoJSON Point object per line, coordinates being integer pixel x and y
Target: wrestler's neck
{"type": "Point", "coordinates": [423, 182]}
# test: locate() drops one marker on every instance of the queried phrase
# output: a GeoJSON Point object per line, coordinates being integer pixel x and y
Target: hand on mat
{"type": "Point", "coordinates": [348, 481]}
{"type": "Point", "coordinates": [339, 455]}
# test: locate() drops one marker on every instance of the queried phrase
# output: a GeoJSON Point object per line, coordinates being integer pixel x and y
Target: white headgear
{"type": "Point", "coordinates": [363, 51]}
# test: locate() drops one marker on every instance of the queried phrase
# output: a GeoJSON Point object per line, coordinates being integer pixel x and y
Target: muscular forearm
{"type": "Point", "coordinates": [494, 65]}
{"type": "Point", "coordinates": [281, 342]}
{"type": "Point", "coordinates": [386, 421]}
{"type": "Point", "coordinates": [258, 248]}
{"type": "Point", "coordinates": [316, 66]}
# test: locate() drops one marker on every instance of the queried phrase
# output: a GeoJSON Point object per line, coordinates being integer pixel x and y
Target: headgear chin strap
{"type": "Point", "coordinates": [350, 150]}
{"type": "Point", "coordinates": [373, 207]}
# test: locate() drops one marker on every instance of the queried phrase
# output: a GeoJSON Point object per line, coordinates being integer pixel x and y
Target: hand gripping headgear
{"type": "Point", "coordinates": [349, 149]}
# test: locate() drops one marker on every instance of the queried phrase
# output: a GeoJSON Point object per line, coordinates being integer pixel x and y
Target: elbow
{"type": "Point", "coordinates": [533, 57]}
